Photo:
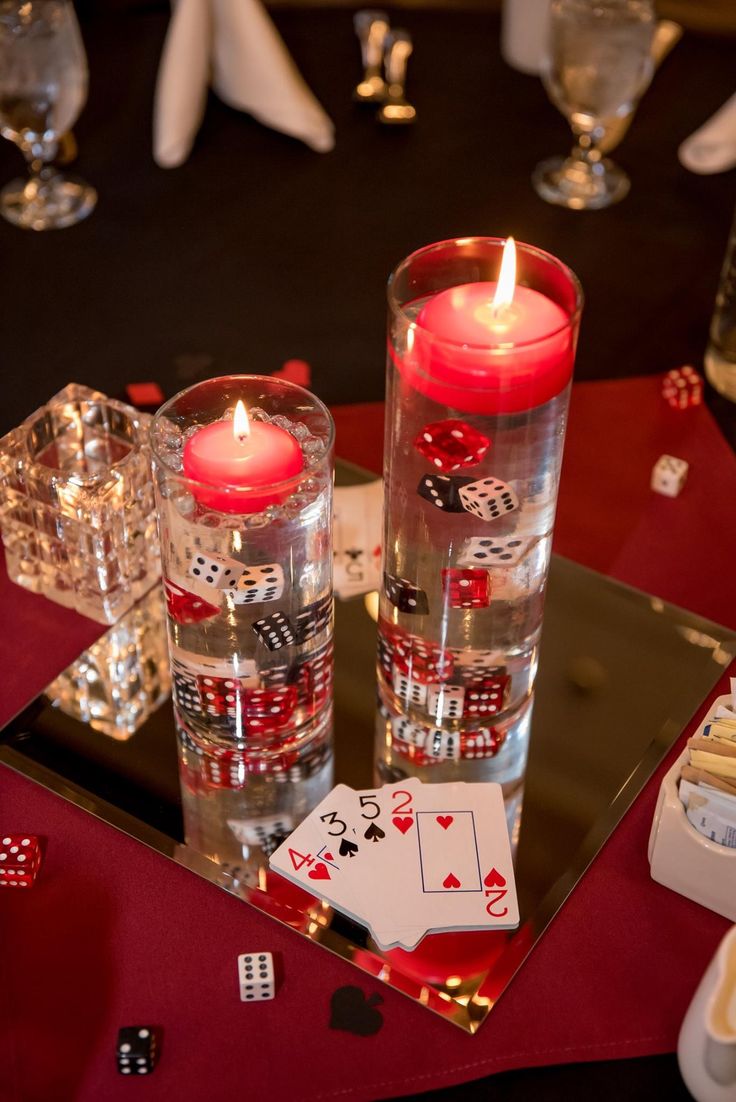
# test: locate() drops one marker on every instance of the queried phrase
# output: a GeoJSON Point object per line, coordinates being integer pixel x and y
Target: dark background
{"type": "Point", "coordinates": [257, 249]}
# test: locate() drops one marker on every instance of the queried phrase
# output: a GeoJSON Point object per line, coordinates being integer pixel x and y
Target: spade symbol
{"type": "Point", "coordinates": [374, 833]}
{"type": "Point", "coordinates": [347, 849]}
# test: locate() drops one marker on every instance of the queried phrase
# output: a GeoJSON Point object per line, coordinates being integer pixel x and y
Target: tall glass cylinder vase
{"type": "Point", "coordinates": [244, 497]}
{"type": "Point", "coordinates": [478, 385]}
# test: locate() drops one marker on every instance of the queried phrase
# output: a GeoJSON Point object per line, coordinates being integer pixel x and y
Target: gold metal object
{"type": "Point", "coordinates": [396, 109]}
{"type": "Point", "coordinates": [371, 28]}
{"type": "Point", "coordinates": [68, 149]}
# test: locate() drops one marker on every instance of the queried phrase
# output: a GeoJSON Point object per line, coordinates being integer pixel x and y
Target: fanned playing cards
{"type": "Point", "coordinates": [408, 859]}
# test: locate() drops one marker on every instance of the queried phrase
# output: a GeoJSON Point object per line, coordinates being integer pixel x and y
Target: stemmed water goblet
{"type": "Point", "coordinates": [43, 87]}
{"type": "Point", "coordinates": [598, 65]}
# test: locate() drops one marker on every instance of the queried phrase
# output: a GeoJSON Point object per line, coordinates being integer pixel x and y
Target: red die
{"type": "Point", "coordinates": [20, 860]}
{"type": "Point", "coordinates": [187, 608]}
{"type": "Point", "coordinates": [267, 711]}
{"type": "Point", "coordinates": [486, 696]}
{"type": "Point", "coordinates": [227, 769]}
{"type": "Point", "coordinates": [682, 388]}
{"type": "Point", "coordinates": [220, 696]}
{"type": "Point", "coordinates": [483, 743]}
{"type": "Point", "coordinates": [470, 588]}
{"type": "Point", "coordinates": [452, 444]}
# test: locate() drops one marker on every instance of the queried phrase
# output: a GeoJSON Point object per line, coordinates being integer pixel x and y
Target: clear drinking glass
{"type": "Point", "coordinates": [43, 87]}
{"type": "Point", "coordinates": [720, 355]}
{"type": "Point", "coordinates": [598, 65]}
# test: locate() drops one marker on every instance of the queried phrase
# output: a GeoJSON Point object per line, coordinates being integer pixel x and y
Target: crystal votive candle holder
{"type": "Point", "coordinates": [478, 386]}
{"type": "Point", "coordinates": [247, 573]}
{"type": "Point", "coordinates": [76, 504]}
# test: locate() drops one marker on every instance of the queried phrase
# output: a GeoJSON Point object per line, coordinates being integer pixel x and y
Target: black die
{"type": "Point", "coordinates": [406, 597]}
{"type": "Point", "coordinates": [443, 491]}
{"type": "Point", "coordinates": [313, 619]}
{"type": "Point", "coordinates": [136, 1050]}
{"type": "Point", "coordinates": [276, 631]}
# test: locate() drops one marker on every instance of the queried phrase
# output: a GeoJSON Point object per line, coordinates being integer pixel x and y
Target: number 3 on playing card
{"type": "Point", "coordinates": [332, 819]}
{"type": "Point", "coordinates": [498, 894]}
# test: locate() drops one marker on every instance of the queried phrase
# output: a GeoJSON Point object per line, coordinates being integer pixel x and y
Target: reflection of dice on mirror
{"type": "Point", "coordinates": [136, 1050]}
{"type": "Point", "coordinates": [443, 491]}
{"type": "Point", "coordinates": [405, 731]}
{"type": "Point", "coordinates": [259, 583]}
{"type": "Point", "coordinates": [267, 832]}
{"type": "Point", "coordinates": [445, 701]}
{"type": "Point", "coordinates": [256, 977]}
{"type": "Point", "coordinates": [488, 498]}
{"type": "Point", "coordinates": [215, 571]}
{"type": "Point", "coordinates": [275, 630]}
{"type": "Point", "coordinates": [443, 745]}
{"type": "Point", "coordinates": [405, 596]}
{"type": "Point", "coordinates": [668, 475]}
{"type": "Point", "coordinates": [682, 387]}
{"type": "Point", "coordinates": [493, 550]}
{"type": "Point", "coordinates": [412, 692]}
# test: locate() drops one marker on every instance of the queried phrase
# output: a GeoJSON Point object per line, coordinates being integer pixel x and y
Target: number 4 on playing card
{"type": "Point", "coordinates": [299, 859]}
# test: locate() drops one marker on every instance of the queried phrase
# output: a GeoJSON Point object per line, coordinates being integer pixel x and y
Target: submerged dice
{"type": "Point", "coordinates": [445, 701]}
{"type": "Point", "coordinates": [488, 498]}
{"type": "Point", "coordinates": [466, 587]}
{"type": "Point", "coordinates": [136, 1050]}
{"type": "Point", "coordinates": [409, 690]}
{"type": "Point", "coordinates": [275, 631]}
{"type": "Point", "coordinates": [258, 584]}
{"type": "Point", "coordinates": [452, 444]}
{"type": "Point", "coordinates": [443, 491]}
{"type": "Point", "coordinates": [313, 619]}
{"type": "Point", "coordinates": [443, 745]}
{"type": "Point", "coordinates": [405, 596]}
{"type": "Point", "coordinates": [214, 571]}
{"type": "Point", "coordinates": [668, 475]}
{"type": "Point", "coordinates": [486, 696]}
{"type": "Point", "coordinates": [256, 977]}
{"type": "Point", "coordinates": [185, 607]}
{"type": "Point", "coordinates": [494, 550]}
{"type": "Point", "coordinates": [682, 388]}
{"type": "Point", "coordinates": [20, 860]}
{"type": "Point", "coordinates": [405, 731]}
{"type": "Point", "coordinates": [186, 694]}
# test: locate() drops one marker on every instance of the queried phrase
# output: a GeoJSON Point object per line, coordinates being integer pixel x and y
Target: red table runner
{"type": "Point", "coordinates": [112, 934]}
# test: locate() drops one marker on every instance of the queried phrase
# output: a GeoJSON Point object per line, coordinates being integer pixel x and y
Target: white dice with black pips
{"type": "Point", "coordinates": [214, 571]}
{"type": "Point", "coordinates": [669, 474]}
{"type": "Point", "coordinates": [256, 977]}
{"type": "Point", "coordinates": [488, 498]}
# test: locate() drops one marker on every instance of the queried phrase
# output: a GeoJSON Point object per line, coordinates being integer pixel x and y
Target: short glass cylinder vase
{"type": "Point", "coordinates": [478, 387]}
{"type": "Point", "coordinates": [76, 504]}
{"type": "Point", "coordinates": [245, 517]}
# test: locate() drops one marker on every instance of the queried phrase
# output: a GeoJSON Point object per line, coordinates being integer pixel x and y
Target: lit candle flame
{"type": "Point", "coordinates": [241, 424]}
{"type": "Point", "coordinates": [506, 285]}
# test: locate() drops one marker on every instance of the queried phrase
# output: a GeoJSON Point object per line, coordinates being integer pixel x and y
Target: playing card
{"type": "Point", "coordinates": [444, 863]}
{"type": "Point", "coordinates": [357, 538]}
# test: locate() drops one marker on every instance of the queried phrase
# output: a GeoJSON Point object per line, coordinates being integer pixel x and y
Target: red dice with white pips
{"type": "Point", "coordinates": [682, 387]}
{"type": "Point", "coordinates": [20, 860]}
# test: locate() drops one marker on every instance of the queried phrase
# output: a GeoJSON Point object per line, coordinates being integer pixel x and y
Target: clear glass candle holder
{"type": "Point", "coordinates": [76, 504]}
{"type": "Point", "coordinates": [247, 573]}
{"type": "Point", "coordinates": [475, 423]}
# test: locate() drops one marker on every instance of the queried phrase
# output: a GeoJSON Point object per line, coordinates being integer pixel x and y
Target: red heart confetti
{"type": "Point", "coordinates": [445, 821]}
{"type": "Point", "coordinates": [402, 824]}
{"type": "Point", "coordinates": [494, 879]}
{"type": "Point", "coordinates": [451, 881]}
{"type": "Point", "coordinates": [319, 872]}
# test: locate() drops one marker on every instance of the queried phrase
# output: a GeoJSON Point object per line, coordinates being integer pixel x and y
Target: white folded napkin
{"type": "Point", "coordinates": [712, 148]}
{"type": "Point", "coordinates": [233, 44]}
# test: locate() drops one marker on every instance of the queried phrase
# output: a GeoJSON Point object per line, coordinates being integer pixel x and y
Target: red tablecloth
{"type": "Point", "coordinates": [112, 934]}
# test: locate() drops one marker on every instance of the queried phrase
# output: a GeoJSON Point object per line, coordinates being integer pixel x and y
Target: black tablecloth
{"type": "Point", "coordinates": [258, 250]}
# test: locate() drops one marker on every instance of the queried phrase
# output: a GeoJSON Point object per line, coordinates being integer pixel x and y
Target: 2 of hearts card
{"type": "Point", "coordinates": [408, 859]}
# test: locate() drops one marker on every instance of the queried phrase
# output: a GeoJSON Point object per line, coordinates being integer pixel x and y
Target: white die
{"type": "Point", "coordinates": [493, 550]}
{"type": "Point", "coordinates": [215, 571]}
{"type": "Point", "coordinates": [445, 701]}
{"type": "Point", "coordinates": [413, 692]}
{"type": "Point", "coordinates": [668, 475]}
{"type": "Point", "coordinates": [256, 977]}
{"type": "Point", "coordinates": [405, 731]}
{"type": "Point", "coordinates": [259, 583]}
{"type": "Point", "coordinates": [443, 745]}
{"type": "Point", "coordinates": [488, 498]}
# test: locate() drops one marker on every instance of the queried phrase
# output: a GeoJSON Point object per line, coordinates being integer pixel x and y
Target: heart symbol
{"type": "Point", "coordinates": [494, 879]}
{"type": "Point", "coordinates": [402, 824]}
{"type": "Point", "coordinates": [329, 857]}
{"type": "Point", "coordinates": [319, 872]}
{"type": "Point", "coordinates": [451, 881]}
{"type": "Point", "coordinates": [445, 821]}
